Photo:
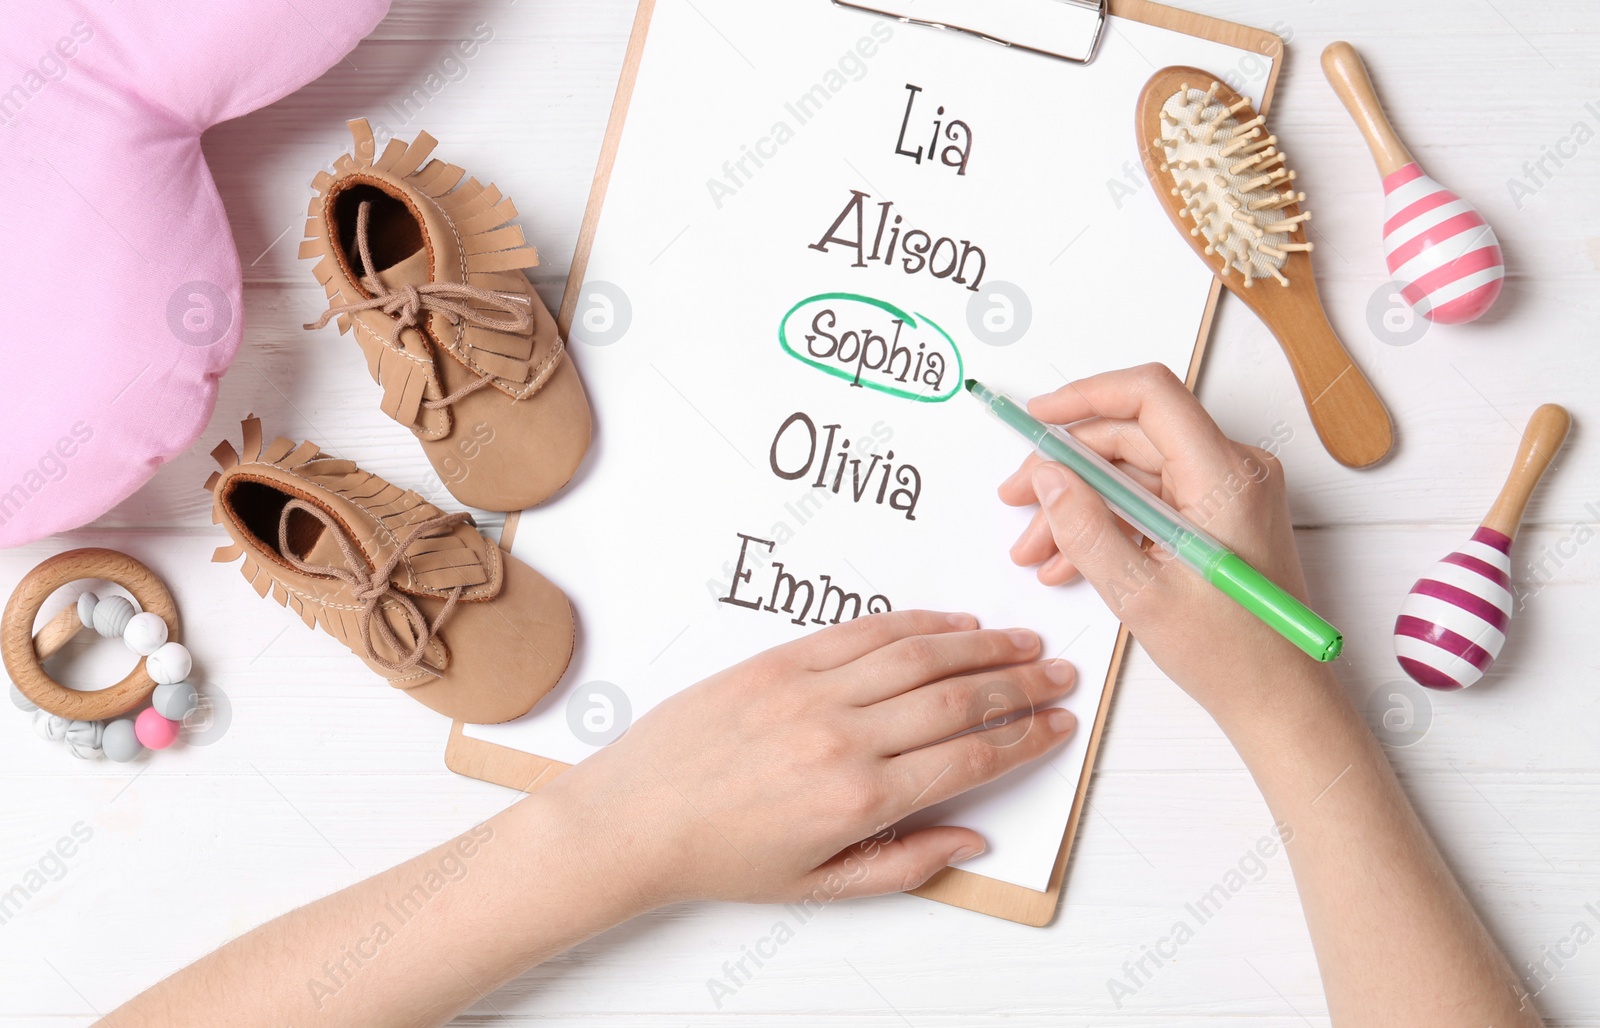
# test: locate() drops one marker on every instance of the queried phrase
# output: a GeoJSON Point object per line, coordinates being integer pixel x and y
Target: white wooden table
{"type": "Point", "coordinates": [325, 777]}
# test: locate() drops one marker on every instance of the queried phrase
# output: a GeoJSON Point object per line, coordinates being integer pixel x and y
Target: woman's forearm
{"type": "Point", "coordinates": [1396, 940]}
{"type": "Point", "coordinates": [413, 945]}
{"type": "Point", "coordinates": [766, 783]}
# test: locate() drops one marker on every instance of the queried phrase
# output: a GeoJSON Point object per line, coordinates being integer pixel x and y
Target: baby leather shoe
{"type": "Point", "coordinates": [424, 264]}
{"type": "Point", "coordinates": [419, 594]}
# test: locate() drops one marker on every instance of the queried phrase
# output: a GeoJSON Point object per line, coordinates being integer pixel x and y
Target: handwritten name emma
{"type": "Point", "coordinates": [820, 600]}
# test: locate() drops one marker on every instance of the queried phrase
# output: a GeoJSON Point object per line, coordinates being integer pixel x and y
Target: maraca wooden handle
{"type": "Point", "coordinates": [1546, 433]}
{"type": "Point", "coordinates": [1349, 79]}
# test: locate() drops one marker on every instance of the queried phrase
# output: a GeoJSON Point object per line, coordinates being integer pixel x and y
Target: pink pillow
{"type": "Point", "coordinates": [120, 276]}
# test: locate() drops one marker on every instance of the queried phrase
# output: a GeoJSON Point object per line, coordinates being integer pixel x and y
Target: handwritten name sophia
{"type": "Point", "coordinates": [872, 344]}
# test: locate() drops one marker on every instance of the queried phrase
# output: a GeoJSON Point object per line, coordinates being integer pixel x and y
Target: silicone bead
{"type": "Point", "coordinates": [49, 727]}
{"type": "Point", "coordinates": [111, 616]}
{"type": "Point", "coordinates": [119, 741]}
{"type": "Point", "coordinates": [83, 738]}
{"type": "Point", "coordinates": [155, 731]}
{"type": "Point", "coordinates": [86, 604]}
{"type": "Point", "coordinates": [21, 702]}
{"type": "Point", "coordinates": [176, 701]}
{"type": "Point", "coordinates": [169, 664]}
{"type": "Point", "coordinates": [145, 633]}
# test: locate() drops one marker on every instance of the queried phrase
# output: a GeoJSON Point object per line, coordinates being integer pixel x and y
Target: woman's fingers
{"type": "Point", "coordinates": [924, 716]}
{"type": "Point", "coordinates": [1036, 548]}
{"type": "Point", "coordinates": [934, 774]}
{"type": "Point", "coordinates": [1017, 491]}
{"type": "Point", "coordinates": [1126, 447]}
{"type": "Point", "coordinates": [1036, 545]}
{"type": "Point", "coordinates": [1092, 538]}
{"type": "Point", "coordinates": [1057, 571]}
{"type": "Point", "coordinates": [916, 660]}
{"type": "Point", "coordinates": [1151, 483]}
{"type": "Point", "coordinates": [839, 645]}
{"type": "Point", "coordinates": [1172, 419]}
{"type": "Point", "coordinates": [1121, 441]}
{"type": "Point", "coordinates": [889, 863]}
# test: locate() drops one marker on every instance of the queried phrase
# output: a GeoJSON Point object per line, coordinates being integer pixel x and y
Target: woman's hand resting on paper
{"type": "Point", "coordinates": [761, 783]}
{"type": "Point", "coordinates": [1145, 421]}
{"type": "Point", "coordinates": [774, 781]}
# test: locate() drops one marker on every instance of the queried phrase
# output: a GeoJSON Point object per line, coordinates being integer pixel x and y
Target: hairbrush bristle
{"type": "Point", "coordinates": [1232, 179]}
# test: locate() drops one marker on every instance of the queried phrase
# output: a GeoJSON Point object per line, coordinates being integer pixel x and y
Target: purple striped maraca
{"type": "Point", "coordinates": [1453, 624]}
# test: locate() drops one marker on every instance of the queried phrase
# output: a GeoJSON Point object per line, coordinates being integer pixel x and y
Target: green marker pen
{"type": "Point", "coordinates": [1157, 521]}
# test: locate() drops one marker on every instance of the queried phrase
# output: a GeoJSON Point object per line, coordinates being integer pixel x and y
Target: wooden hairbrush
{"type": "Point", "coordinates": [1223, 182]}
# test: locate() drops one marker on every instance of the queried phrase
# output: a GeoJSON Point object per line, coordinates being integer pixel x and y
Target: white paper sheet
{"type": "Point", "coordinates": [701, 252]}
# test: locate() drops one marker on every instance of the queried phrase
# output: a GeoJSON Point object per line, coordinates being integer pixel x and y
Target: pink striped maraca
{"type": "Point", "coordinates": [1453, 624]}
{"type": "Point", "coordinates": [1441, 252]}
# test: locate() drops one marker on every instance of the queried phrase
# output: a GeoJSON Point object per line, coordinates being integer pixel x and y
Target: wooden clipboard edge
{"type": "Point", "coordinates": [527, 772]}
{"type": "Point", "coordinates": [608, 159]}
{"type": "Point", "coordinates": [499, 765]}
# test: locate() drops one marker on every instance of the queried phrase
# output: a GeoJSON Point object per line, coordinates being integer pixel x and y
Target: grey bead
{"type": "Point", "coordinates": [176, 701]}
{"type": "Point", "coordinates": [22, 703]}
{"type": "Point", "coordinates": [86, 604]}
{"type": "Point", "coordinates": [119, 743]}
{"type": "Point", "coordinates": [111, 616]}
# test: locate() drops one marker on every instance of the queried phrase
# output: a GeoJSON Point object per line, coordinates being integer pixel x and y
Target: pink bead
{"type": "Point", "coordinates": [155, 731]}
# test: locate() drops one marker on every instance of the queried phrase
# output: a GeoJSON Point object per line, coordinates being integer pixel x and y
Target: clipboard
{"type": "Point", "coordinates": [528, 772]}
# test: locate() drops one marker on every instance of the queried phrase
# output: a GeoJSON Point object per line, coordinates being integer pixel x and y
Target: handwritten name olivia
{"type": "Point", "coordinates": [865, 478]}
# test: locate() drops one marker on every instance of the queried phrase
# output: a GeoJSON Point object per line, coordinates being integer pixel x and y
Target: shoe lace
{"type": "Point", "coordinates": [372, 588]}
{"type": "Point", "coordinates": [406, 304]}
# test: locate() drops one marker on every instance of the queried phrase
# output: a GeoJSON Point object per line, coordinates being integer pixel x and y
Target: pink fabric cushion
{"type": "Point", "coordinates": [120, 275]}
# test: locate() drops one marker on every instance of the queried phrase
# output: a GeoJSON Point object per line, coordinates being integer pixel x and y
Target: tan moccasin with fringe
{"type": "Point", "coordinates": [419, 594]}
{"type": "Point", "coordinates": [426, 267]}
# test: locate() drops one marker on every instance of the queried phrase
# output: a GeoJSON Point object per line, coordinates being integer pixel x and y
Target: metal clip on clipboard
{"type": "Point", "coordinates": [1006, 22]}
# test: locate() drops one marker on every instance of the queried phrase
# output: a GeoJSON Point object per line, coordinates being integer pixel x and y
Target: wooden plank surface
{"type": "Point", "coordinates": [323, 776]}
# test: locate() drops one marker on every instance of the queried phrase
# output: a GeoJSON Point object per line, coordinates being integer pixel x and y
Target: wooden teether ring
{"type": "Point", "coordinates": [25, 655]}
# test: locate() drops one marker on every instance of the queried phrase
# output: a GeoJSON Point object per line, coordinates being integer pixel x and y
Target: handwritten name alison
{"type": "Point", "coordinates": [915, 251]}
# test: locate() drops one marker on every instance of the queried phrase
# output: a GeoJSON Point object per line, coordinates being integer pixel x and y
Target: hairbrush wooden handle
{"type": "Point", "coordinates": [1350, 418]}
{"type": "Point", "coordinates": [1546, 433]}
{"type": "Point", "coordinates": [1349, 79]}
